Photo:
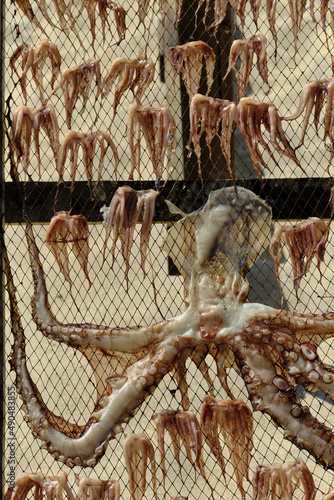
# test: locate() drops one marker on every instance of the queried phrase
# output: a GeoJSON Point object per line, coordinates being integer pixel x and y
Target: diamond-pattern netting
{"type": "Point", "coordinates": [65, 376]}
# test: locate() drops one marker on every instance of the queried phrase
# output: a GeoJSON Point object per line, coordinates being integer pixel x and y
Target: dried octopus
{"type": "Point", "coordinates": [245, 50]}
{"type": "Point", "coordinates": [236, 423]}
{"type": "Point", "coordinates": [159, 129]}
{"type": "Point", "coordinates": [214, 117]}
{"type": "Point", "coordinates": [275, 350]}
{"type": "Point", "coordinates": [183, 427]}
{"type": "Point", "coordinates": [138, 449]}
{"type": "Point", "coordinates": [34, 59]}
{"type": "Point", "coordinates": [50, 486]}
{"type": "Point", "coordinates": [283, 479]}
{"type": "Point", "coordinates": [73, 141]}
{"type": "Point", "coordinates": [304, 241]}
{"type": "Point", "coordinates": [122, 216]}
{"type": "Point", "coordinates": [65, 229]}
{"type": "Point", "coordinates": [187, 59]}
{"type": "Point", "coordinates": [103, 6]}
{"type": "Point", "coordinates": [313, 96]}
{"type": "Point", "coordinates": [250, 116]}
{"type": "Point", "coordinates": [329, 496]}
{"type": "Point", "coordinates": [27, 121]}
{"type": "Point", "coordinates": [135, 75]}
{"type": "Point", "coordinates": [54, 488]}
{"type": "Point", "coordinates": [77, 82]}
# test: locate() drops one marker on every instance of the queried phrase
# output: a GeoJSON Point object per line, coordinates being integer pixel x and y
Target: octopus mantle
{"type": "Point", "coordinates": [275, 350]}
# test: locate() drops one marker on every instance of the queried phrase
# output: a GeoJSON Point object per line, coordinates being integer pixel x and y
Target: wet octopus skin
{"type": "Point", "coordinates": [137, 450]}
{"type": "Point", "coordinates": [313, 96]}
{"type": "Point", "coordinates": [187, 59]}
{"type": "Point", "coordinates": [34, 59]}
{"type": "Point", "coordinates": [279, 478]}
{"type": "Point", "coordinates": [122, 216]}
{"type": "Point", "coordinates": [87, 142]}
{"type": "Point", "coordinates": [131, 74]}
{"type": "Point", "coordinates": [244, 49]}
{"type": "Point", "coordinates": [64, 229]}
{"type": "Point", "coordinates": [250, 116]}
{"type": "Point", "coordinates": [304, 241]}
{"type": "Point", "coordinates": [27, 121]}
{"type": "Point", "coordinates": [275, 350]}
{"type": "Point", "coordinates": [77, 82]}
{"type": "Point", "coordinates": [236, 423]}
{"type": "Point", "coordinates": [184, 427]}
{"type": "Point", "coordinates": [159, 129]}
{"type": "Point", "coordinates": [211, 115]}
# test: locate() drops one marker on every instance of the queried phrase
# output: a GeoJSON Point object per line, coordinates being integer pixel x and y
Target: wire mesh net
{"type": "Point", "coordinates": [82, 41]}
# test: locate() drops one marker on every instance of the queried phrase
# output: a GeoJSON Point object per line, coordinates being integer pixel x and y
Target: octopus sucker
{"type": "Point", "coordinates": [65, 228]}
{"type": "Point", "coordinates": [245, 49]}
{"type": "Point", "coordinates": [158, 127]}
{"type": "Point", "coordinates": [130, 74]}
{"type": "Point", "coordinates": [304, 242]}
{"type": "Point", "coordinates": [138, 450]}
{"type": "Point", "coordinates": [214, 117]}
{"type": "Point", "coordinates": [283, 479]}
{"type": "Point", "coordinates": [122, 216]}
{"type": "Point", "coordinates": [188, 59]}
{"type": "Point", "coordinates": [223, 240]}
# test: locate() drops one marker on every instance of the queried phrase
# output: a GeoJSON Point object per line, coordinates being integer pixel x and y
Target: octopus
{"type": "Point", "coordinates": [159, 129]}
{"type": "Point", "coordinates": [313, 96]}
{"type": "Point", "coordinates": [250, 116]}
{"type": "Point", "coordinates": [87, 142]}
{"type": "Point", "coordinates": [52, 487]}
{"type": "Point", "coordinates": [212, 116]}
{"type": "Point", "coordinates": [34, 59]}
{"type": "Point", "coordinates": [27, 121]}
{"type": "Point", "coordinates": [187, 59]}
{"type": "Point", "coordinates": [26, 7]}
{"type": "Point", "coordinates": [274, 350]}
{"type": "Point", "coordinates": [136, 75]}
{"type": "Point", "coordinates": [97, 489]}
{"type": "Point", "coordinates": [138, 449]}
{"type": "Point", "coordinates": [63, 229]}
{"type": "Point", "coordinates": [283, 479]}
{"type": "Point", "coordinates": [245, 50]}
{"type": "Point", "coordinates": [122, 216]}
{"type": "Point", "coordinates": [183, 427]}
{"type": "Point", "coordinates": [304, 241]}
{"type": "Point", "coordinates": [103, 6]}
{"type": "Point", "coordinates": [77, 82]}
{"type": "Point", "coordinates": [234, 418]}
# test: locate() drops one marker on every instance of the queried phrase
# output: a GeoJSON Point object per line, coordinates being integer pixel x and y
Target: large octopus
{"type": "Point", "coordinates": [275, 350]}
{"type": "Point", "coordinates": [187, 59]}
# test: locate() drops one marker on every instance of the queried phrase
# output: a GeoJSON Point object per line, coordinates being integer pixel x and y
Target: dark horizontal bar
{"type": "Point", "coordinates": [289, 198]}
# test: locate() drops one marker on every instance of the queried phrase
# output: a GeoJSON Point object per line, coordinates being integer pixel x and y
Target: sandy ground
{"type": "Point", "coordinates": [64, 378]}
